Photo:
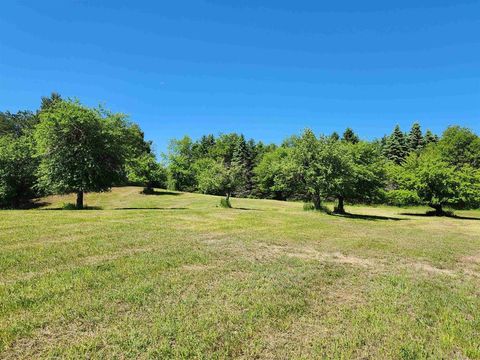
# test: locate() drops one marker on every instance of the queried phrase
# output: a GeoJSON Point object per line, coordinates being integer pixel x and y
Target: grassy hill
{"type": "Point", "coordinates": [174, 275]}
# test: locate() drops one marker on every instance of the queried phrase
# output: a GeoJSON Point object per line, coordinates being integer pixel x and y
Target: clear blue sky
{"type": "Point", "coordinates": [269, 70]}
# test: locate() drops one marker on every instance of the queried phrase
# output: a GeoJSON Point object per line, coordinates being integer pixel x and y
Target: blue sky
{"type": "Point", "coordinates": [267, 69]}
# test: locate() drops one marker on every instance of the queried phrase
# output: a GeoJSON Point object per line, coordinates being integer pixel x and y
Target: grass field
{"type": "Point", "coordinates": [174, 275]}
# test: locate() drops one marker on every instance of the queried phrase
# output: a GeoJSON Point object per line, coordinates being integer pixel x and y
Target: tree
{"type": "Point", "coordinates": [181, 175]}
{"type": "Point", "coordinates": [217, 178]}
{"type": "Point", "coordinates": [460, 146]}
{"type": "Point", "coordinates": [17, 169]}
{"type": "Point", "coordinates": [17, 124]}
{"type": "Point", "coordinates": [308, 169]}
{"type": "Point", "coordinates": [429, 138]}
{"type": "Point", "coordinates": [439, 184]}
{"type": "Point", "coordinates": [79, 150]}
{"type": "Point", "coordinates": [50, 101]}
{"type": "Point", "coordinates": [145, 170]}
{"type": "Point", "coordinates": [242, 160]}
{"type": "Point", "coordinates": [334, 136]}
{"type": "Point", "coordinates": [396, 148]}
{"type": "Point", "coordinates": [415, 138]}
{"type": "Point", "coordinates": [350, 137]}
{"type": "Point", "coordinates": [275, 175]}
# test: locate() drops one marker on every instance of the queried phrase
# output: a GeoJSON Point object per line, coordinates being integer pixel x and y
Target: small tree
{"type": "Point", "coordinates": [439, 184]}
{"type": "Point", "coordinates": [17, 169]}
{"type": "Point", "coordinates": [415, 138]}
{"type": "Point", "coordinates": [214, 177]}
{"type": "Point", "coordinates": [79, 150]}
{"type": "Point", "coordinates": [350, 137]}
{"type": "Point", "coordinates": [396, 148]}
{"type": "Point", "coordinates": [308, 168]}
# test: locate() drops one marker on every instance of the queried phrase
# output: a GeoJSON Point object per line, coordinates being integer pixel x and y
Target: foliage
{"type": "Point", "coordinates": [17, 169]}
{"type": "Point", "coordinates": [438, 183]}
{"type": "Point", "coordinates": [402, 197]}
{"type": "Point", "coordinates": [79, 150]}
{"type": "Point", "coordinates": [415, 138]}
{"type": "Point", "coordinates": [348, 136]}
{"type": "Point", "coordinates": [275, 175]}
{"type": "Point", "coordinates": [396, 148]}
{"type": "Point", "coordinates": [460, 146]}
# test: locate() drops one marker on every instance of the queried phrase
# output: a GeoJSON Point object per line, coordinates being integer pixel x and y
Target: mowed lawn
{"type": "Point", "coordinates": [173, 275]}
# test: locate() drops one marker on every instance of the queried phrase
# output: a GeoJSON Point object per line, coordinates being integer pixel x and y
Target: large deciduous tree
{"type": "Point", "coordinates": [80, 150]}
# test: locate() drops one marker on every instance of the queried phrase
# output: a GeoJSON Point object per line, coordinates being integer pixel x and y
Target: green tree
{"type": "Point", "coordinates": [181, 175]}
{"type": "Point", "coordinates": [439, 184]}
{"type": "Point", "coordinates": [350, 137]}
{"type": "Point", "coordinates": [415, 138]}
{"type": "Point", "coordinates": [217, 178]}
{"type": "Point", "coordinates": [429, 138]}
{"type": "Point", "coordinates": [459, 146]}
{"type": "Point", "coordinates": [396, 148]}
{"type": "Point", "coordinates": [308, 168]}
{"type": "Point", "coordinates": [17, 169]}
{"type": "Point", "coordinates": [17, 124]}
{"type": "Point", "coordinates": [275, 175]}
{"type": "Point", "coordinates": [79, 150]}
{"type": "Point", "coordinates": [242, 160]}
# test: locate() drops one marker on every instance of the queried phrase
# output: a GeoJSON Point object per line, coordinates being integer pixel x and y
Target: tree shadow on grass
{"type": "Point", "coordinates": [27, 205]}
{"type": "Point", "coordinates": [155, 192]}
{"type": "Point", "coordinates": [367, 217]}
{"type": "Point", "coordinates": [73, 208]}
{"type": "Point", "coordinates": [246, 209]}
{"type": "Point", "coordinates": [151, 208]}
{"type": "Point", "coordinates": [451, 216]}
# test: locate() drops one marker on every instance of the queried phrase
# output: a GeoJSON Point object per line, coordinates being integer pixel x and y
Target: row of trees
{"type": "Point", "coordinates": [401, 169]}
{"type": "Point", "coordinates": [67, 147]}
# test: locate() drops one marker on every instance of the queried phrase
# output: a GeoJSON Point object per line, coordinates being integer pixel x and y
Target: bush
{"type": "Point", "coordinates": [402, 198]}
{"type": "Point", "coordinates": [225, 203]}
{"type": "Point", "coordinates": [308, 206]}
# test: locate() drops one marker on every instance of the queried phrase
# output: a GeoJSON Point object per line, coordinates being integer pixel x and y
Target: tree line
{"type": "Point", "coordinates": [399, 169]}
{"type": "Point", "coordinates": [66, 147]}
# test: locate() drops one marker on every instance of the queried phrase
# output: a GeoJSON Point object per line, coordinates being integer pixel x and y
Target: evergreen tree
{"type": "Point", "coordinates": [334, 136]}
{"type": "Point", "coordinates": [429, 138]}
{"type": "Point", "coordinates": [350, 137]}
{"type": "Point", "coordinates": [242, 160]}
{"type": "Point", "coordinates": [415, 138]}
{"type": "Point", "coordinates": [396, 148]}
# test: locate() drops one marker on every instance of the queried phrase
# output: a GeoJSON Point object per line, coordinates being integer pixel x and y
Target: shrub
{"type": "Point", "coordinates": [225, 203]}
{"type": "Point", "coordinates": [402, 198]}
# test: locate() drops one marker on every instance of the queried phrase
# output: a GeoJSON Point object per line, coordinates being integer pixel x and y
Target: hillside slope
{"type": "Point", "coordinates": [174, 275]}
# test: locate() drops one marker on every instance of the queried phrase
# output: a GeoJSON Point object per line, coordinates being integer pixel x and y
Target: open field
{"type": "Point", "coordinates": [173, 275]}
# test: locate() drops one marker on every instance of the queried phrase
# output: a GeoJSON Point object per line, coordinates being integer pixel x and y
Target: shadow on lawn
{"type": "Point", "coordinates": [246, 209]}
{"type": "Point", "coordinates": [73, 208]}
{"type": "Point", "coordinates": [155, 192]}
{"type": "Point", "coordinates": [367, 217]}
{"type": "Point", "coordinates": [451, 216]}
{"type": "Point", "coordinates": [151, 208]}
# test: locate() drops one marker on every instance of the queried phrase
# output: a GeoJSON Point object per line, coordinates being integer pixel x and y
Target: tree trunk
{"type": "Point", "coordinates": [340, 209]}
{"type": "Point", "coordinates": [317, 202]}
{"type": "Point", "coordinates": [438, 209]}
{"type": "Point", "coordinates": [80, 200]}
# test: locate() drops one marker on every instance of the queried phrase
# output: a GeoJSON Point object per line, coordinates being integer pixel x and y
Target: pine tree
{"type": "Point", "coordinates": [430, 138]}
{"type": "Point", "coordinates": [242, 160]}
{"type": "Point", "coordinates": [415, 138]}
{"type": "Point", "coordinates": [350, 136]}
{"type": "Point", "coordinates": [396, 148]}
{"type": "Point", "coordinates": [334, 136]}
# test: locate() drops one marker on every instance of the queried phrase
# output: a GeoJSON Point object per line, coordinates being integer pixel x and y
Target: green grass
{"type": "Point", "coordinates": [174, 275]}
